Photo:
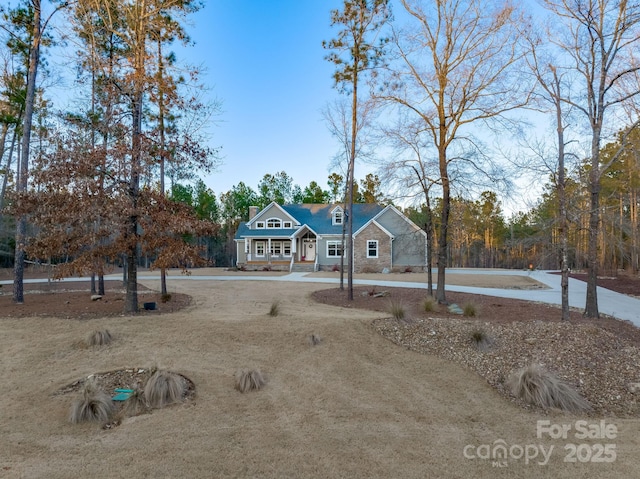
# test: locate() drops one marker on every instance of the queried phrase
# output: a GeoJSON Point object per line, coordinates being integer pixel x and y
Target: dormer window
{"type": "Point", "coordinates": [274, 223]}
{"type": "Point", "coordinates": [337, 217]}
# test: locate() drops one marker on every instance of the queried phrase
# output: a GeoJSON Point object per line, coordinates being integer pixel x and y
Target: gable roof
{"type": "Point", "coordinates": [401, 215]}
{"type": "Point", "coordinates": [316, 217]}
{"type": "Point", "coordinates": [264, 210]}
{"type": "Point", "coordinates": [319, 216]}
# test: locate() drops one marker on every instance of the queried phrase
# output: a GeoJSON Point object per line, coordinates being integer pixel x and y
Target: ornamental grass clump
{"type": "Point", "coordinates": [314, 340]}
{"type": "Point", "coordinates": [275, 309]}
{"type": "Point", "coordinates": [469, 310]}
{"type": "Point", "coordinates": [481, 340]}
{"type": "Point", "coordinates": [94, 406]}
{"type": "Point", "coordinates": [136, 403]}
{"type": "Point", "coordinates": [249, 380]}
{"type": "Point", "coordinates": [535, 385]}
{"type": "Point", "coordinates": [100, 338]}
{"type": "Point", "coordinates": [428, 305]}
{"type": "Point", "coordinates": [397, 310]}
{"type": "Point", "coordinates": [164, 388]}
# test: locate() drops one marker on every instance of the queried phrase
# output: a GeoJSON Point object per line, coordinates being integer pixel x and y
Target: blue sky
{"type": "Point", "coordinates": [265, 62]}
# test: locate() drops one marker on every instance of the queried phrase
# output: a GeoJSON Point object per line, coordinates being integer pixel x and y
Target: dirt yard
{"type": "Point", "coordinates": [356, 405]}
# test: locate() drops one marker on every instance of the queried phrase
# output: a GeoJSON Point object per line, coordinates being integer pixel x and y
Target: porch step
{"type": "Point", "coordinates": [302, 268]}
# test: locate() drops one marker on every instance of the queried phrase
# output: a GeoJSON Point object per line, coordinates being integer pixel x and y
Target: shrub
{"type": "Point", "coordinates": [481, 339]}
{"type": "Point", "coordinates": [275, 309]}
{"type": "Point", "coordinates": [535, 385]}
{"type": "Point", "coordinates": [429, 305]}
{"type": "Point", "coordinates": [469, 310]}
{"type": "Point", "coordinates": [335, 268]}
{"type": "Point", "coordinates": [99, 338]}
{"type": "Point", "coordinates": [314, 340]}
{"type": "Point", "coordinates": [249, 380]}
{"type": "Point", "coordinates": [164, 388]}
{"type": "Point", "coordinates": [408, 269]}
{"type": "Point", "coordinates": [95, 405]}
{"type": "Point", "coordinates": [165, 298]}
{"type": "Point", "coordinates": [397, 309]}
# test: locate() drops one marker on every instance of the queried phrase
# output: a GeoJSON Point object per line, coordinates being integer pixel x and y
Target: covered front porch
{"type": "Point", "coordinates": [296, 252]}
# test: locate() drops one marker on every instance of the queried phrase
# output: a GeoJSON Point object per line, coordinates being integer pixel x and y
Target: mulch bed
{"type": "Point", "coordinates": [72, 300]}
{"type": "Point", "coordinates": [488, 308]}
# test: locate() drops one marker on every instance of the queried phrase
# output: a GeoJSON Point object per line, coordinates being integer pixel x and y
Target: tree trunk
{"type": "Point", "coordinates": [21, 187]}
{"type": "Point", "coordinates": [429, 231]}
{"type": "Point", "coordinates": [352, 162]}
{"type": "Point", "coordinates": [633, 212]}
{"type": "Point", "coordinates": [161, 107]}
{"type": "Point", "coordinates": [444, 223]}
{"type": "Point", "coordinates": [131, 302]}
{"type": "Point", "coordinates": [591, 306]}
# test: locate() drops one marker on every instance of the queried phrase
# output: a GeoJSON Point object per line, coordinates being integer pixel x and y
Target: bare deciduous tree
{"type": "Point", "coordinates": [414, 170]}
{"type": "Point", "coordinates": [600, 37]}
{"type": "Point", "coordinates": [455, 70]}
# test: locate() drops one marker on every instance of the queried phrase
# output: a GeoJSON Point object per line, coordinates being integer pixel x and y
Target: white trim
{"type": "Point", "coordinates": [377, 248]}
{"type": "Point", "coordinates": [260, 243]}
{"type": "Point", "coordinates": [374, 222]}
{"type": "Point", "coordinates": [301, 230]}
{"type": "Point", "coordinates": [263, 210]}
{"type": "Point", "coordinates": [338, 243]}
{"type": "Point", "coordinates": [274, 220]}
{"type": "Point", "coordinates": [281, 245]}
{"type": "Point", "coordinates": [399, 213]}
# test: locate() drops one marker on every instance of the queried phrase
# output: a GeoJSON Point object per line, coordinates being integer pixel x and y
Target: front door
{"type": "Point", "coordinates": [308, 250]}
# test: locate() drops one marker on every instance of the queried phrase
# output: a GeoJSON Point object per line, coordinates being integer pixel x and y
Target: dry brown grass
{"type": "Point", "coordinates": [358, 406]}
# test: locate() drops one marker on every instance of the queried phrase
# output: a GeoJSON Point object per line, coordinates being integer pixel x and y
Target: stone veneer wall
{"type": "Point", "coordinates": [361, 263]}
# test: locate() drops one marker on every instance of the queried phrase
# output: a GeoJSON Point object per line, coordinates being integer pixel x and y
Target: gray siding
{"type": "Point", "coordinates": [409, 242]}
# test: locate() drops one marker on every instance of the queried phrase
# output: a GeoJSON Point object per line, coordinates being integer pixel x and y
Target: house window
{"type": "Point", "coordinates": [276, 247]}
{"type": "Point", "coordinates": [281, 248]}
{"type": "Point", "coordinates": [287, 224]}
{"type": "Point", "coordinates": [372, 249]}
{"type": "Point", "coordinates": [274, 223]}
{"type": "Point", "coordinates": [338, 215]}
{"type": "Point", "coordinates": [259, 248]}
{"type": "Point", "coordinates": [334, 249]}
{"type": "Point", "coordinates": [260, 225]}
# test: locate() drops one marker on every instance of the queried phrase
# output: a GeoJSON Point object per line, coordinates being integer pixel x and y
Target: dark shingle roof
{"type": "Point", "coordinates": [318, 217]}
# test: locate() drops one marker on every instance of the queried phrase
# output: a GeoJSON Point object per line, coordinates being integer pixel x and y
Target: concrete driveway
{"type": "Point", "coordinates": [609, 302]}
